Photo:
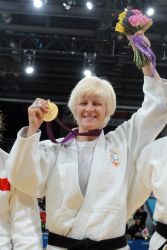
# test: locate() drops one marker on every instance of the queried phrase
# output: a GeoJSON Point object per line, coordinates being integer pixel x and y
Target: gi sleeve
{"type": "Point", "coordinates": [29, 163]}
{"type": "Point", "coordinates": [150, 119]}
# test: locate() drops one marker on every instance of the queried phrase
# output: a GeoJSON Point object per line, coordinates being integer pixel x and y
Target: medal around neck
{"type": "Point", "coordinates": [52, 112]}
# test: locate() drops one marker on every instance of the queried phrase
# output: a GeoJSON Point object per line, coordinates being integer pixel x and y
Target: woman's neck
{"type": "Point", "coordinates": [86, 138]}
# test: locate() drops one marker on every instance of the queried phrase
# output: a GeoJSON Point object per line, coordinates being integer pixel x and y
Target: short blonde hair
{"type": "Point", "coordinates": [93, 85]}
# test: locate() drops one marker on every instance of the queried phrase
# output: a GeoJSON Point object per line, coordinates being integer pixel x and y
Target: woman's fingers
{"type": "Point", "coordinates": [36, 111]}
{"type": "Point", "coordinates": [139, 33]}
{"type": "Point", "coordinates": [40, 104]}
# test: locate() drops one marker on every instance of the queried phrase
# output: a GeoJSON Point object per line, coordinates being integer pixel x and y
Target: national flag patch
{"type": "Point", "coordinates": [4, 184]}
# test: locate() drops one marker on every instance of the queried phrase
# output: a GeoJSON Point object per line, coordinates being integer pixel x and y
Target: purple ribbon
{"type": "Point", "coordinates": [144, 48]}
{"type": "Point", "coordinates": [72, 133]}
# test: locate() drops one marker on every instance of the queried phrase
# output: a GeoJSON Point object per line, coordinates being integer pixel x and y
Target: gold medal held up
{"type": "Point", "coordinates": [52, 112]}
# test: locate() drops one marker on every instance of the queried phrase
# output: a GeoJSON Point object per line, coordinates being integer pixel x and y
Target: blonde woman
{"type": "Point", "coordinates": [86, 179]}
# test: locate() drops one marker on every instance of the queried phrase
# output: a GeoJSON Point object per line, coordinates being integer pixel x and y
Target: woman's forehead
{"type": "Point", "coordinates": [91, 95]}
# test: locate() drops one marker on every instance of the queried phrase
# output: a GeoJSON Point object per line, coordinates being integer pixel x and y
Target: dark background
{"type": "Point", "coordinates": [61, 42]}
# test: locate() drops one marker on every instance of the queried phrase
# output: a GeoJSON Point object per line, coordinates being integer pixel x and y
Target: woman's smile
{"type": "Point", "coordinates": [91, 112]}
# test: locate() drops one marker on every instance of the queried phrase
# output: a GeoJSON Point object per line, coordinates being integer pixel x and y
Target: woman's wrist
{"type": "Point", "coordinates": [148, 71]}
{"type": "Point", "coordinates": [31, 131]}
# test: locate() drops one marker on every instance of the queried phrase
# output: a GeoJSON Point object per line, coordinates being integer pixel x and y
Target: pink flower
{"type": "Point", "coordinates": [138, 20]}
{"type": "Point", "coordinates": [136, 12]}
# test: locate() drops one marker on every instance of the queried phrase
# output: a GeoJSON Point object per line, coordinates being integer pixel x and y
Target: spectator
{"type": "Point", "coordinates": [141, 215]}
{"type": "Point", "coordinates": [136, 229]}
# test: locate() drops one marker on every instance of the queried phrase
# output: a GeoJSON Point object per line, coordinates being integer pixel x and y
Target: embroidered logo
{"type": "Point", "coordinates": [115, 160]}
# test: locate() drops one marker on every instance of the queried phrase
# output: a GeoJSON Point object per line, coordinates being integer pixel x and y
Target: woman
{"type": "Point", "coordinates": [151, 169]}
{"type": "Point", "coordinates": [19, 215]}
{"type": "Point", "coordinates": [86, 180]}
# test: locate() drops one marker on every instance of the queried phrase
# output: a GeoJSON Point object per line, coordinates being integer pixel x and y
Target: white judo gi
{"type": "Point", "coordinates": [152, 173]}
{"type": "Point", "coordinates": [52, 170]}
{"type": "Point", "coordinates": [20, 226]}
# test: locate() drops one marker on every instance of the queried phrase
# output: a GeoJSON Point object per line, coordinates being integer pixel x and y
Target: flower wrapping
{"type": "Point", "coordinates": [130, 23]}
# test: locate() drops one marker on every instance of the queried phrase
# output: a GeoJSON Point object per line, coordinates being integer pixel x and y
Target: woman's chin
{"type": "Point", "coordinates": [90, 127]}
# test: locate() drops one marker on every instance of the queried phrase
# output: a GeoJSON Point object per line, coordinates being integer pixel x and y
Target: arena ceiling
{"type": "Point", "coordinates": [60, 42]}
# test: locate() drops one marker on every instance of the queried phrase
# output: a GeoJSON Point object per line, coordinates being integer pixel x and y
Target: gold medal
{"type": "Point", "coordinates": [52, 112]}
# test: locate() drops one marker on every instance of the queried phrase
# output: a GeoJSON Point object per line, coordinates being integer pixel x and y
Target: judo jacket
{"type": "Point", "coordinates": [151, 175]}
{"type": "Point", "coordinates": [20, 226]}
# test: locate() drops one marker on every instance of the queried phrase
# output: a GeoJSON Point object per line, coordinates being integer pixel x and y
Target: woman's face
{"type": "Point", "coordinates": [90, 112]}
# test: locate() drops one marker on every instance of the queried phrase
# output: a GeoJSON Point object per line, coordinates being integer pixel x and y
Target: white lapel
{"type": "Point", "coordinates": [94, 179]}
{"type": "Point", "coordinates": [71, 156]}
{"type": "Point", "coordinates": [97, 166]}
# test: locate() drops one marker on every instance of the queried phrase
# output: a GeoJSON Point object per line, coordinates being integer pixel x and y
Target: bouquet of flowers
{"type": "Point", "coordinates": [132, 23]}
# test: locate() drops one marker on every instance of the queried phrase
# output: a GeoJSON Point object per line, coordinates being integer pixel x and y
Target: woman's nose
{"type": "Point", "coordinates": [90, 107]}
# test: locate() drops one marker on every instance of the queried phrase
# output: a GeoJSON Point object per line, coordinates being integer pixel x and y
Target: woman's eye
{"type": "Point", "coordinates": [97, 104]}
{"type": "Point", "coordinates": [82, 103]}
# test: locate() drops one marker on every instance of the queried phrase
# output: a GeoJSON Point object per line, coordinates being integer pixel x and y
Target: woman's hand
{"type": "Point", "coordinates": [35, 115]}
{"type": "Point", "coordinates": [148, 70]}
{"type": "Point", "coordinates": [140, 33]}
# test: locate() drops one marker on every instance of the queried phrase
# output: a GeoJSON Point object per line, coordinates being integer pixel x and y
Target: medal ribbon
{"type": "Point", "coordinates": [72, 133]}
